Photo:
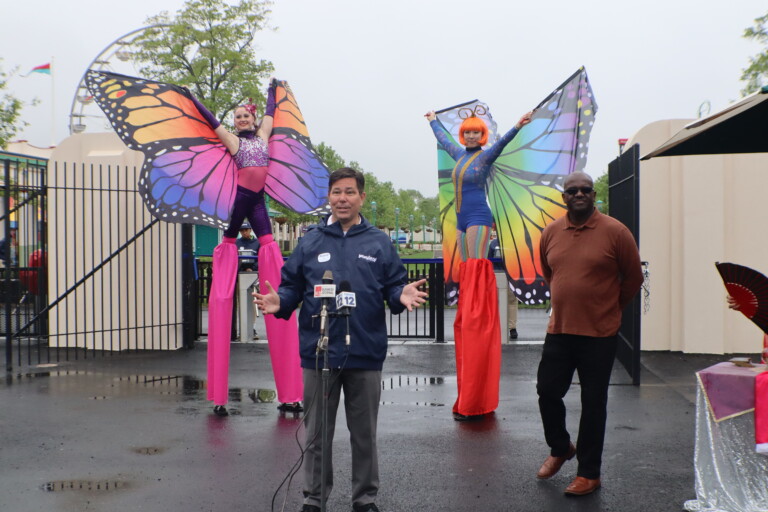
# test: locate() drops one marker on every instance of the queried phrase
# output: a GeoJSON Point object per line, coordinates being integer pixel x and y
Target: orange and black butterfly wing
{"type": "Point", "coordinates": [188, 175]}
{"type": "Point", "coordinates": [297, 178]}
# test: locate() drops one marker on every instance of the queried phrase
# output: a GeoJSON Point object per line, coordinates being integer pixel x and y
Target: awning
{"type": "Point", "coordinates": [739, 128]}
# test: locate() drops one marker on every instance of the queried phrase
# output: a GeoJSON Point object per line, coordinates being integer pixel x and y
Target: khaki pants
{"type": "Point", "coordinates": [511, 310]}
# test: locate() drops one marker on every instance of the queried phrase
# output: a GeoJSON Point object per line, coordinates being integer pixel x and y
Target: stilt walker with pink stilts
{"type": "Point", "coordinates": [196, 171]}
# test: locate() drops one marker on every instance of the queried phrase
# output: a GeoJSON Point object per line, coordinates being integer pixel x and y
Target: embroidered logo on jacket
{"type": "Point", "coordinates": [366, 258]}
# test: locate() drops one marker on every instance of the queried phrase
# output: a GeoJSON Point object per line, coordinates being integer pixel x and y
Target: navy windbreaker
{"type": "Point", "coordinates": [366, 258]}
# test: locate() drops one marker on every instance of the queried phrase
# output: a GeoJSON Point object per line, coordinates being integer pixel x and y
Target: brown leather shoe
{"type": "Point", "coordinates": [553, 464]}
{"type": "Point", "coordinates": [581, 486]}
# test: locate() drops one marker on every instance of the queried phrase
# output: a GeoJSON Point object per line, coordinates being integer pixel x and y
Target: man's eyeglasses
{"type": "Point", "coordinates": [574, 190]}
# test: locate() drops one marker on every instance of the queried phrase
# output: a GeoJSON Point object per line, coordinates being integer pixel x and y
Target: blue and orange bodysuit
{"type": "Point", "coordinates": [469, 176]}
{"type": "Point", "coordinates": [477, 329]}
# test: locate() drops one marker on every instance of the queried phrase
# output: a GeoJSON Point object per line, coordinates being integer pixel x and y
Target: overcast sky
{"type": "Point", "coordinates": [365, 72]}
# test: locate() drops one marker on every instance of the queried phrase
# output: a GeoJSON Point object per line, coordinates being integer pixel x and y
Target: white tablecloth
{"type": "Point", "coordinates": [730, 475]}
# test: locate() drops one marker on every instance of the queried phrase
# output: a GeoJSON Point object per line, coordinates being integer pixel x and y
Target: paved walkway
{"type": "Point", "coordinates": [134, 432]}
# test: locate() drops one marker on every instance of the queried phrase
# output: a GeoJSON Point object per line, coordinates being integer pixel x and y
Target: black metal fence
{"type": "Point", "coordinates": [624, 200]}
{"type": "Point", "coordinates": [423, 323]}
{"type": "Point", "coordinates": [90, 271]}
{"type": "Point", "coordinates": [23, 292]}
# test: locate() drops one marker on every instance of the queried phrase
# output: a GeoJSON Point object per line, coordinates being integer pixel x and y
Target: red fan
{"type": "Point", "coordinates": [749, 288]}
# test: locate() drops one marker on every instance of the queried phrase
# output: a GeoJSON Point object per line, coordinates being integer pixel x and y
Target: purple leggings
{"type": "Point", "coordinates": [249, 204]}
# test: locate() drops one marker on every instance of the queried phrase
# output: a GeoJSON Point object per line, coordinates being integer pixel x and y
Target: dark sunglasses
{"type": "Point", "coordinates": [574, 190]}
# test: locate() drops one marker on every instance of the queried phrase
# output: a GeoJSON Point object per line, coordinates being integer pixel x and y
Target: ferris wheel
{"type": "Point", "coordinates": [116, 57]}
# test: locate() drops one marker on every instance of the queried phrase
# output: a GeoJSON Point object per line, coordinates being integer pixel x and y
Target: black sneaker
{"type": "Point", "coordinates": [513, 334]}
{"type": "Point", "coordinates": [310, 508]}
{"type": "Point", "coordinates": [290, 407]}
{"type": "Point", "coordinates": [368, 507]}
{"type": "Point", "coordinates": [220, 410]}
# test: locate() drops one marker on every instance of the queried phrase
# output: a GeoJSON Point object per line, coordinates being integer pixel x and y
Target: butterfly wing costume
{"type": "Point", "coordinates": [189, 176]}
{"type": "Point", "coordinates": [524, 182]}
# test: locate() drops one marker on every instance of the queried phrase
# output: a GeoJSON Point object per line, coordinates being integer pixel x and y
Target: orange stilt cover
{"type": "Point", "coordinates": [478, 339]}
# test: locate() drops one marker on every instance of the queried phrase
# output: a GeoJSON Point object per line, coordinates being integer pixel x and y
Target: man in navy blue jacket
{"type": "Point", "coordinates": [356, 252]}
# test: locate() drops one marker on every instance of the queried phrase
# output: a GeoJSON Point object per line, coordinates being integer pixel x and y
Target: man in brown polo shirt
{"type": "Point", "coordinates": [592, 266]}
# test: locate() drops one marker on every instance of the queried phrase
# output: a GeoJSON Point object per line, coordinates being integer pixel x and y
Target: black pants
{"type": "Point", "coordinates": [593, 359]}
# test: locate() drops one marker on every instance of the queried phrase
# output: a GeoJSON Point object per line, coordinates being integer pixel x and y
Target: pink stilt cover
{"type": "Point", "coordinates": [282, 335]}
{"type": "Point", "coordinates": [220, 319]}
{"type": "Point", "coordinates": [761, 413]}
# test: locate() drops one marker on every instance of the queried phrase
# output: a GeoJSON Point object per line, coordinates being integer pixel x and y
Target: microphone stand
{"type": "Point", "coordinates": [322, 345]}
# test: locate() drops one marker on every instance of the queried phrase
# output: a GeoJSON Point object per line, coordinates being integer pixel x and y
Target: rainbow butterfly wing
{"type": "Point", "coordinates": [446, 195]}
{"type": "Point", "coordinates": [297, 177]}
{"type": "Point", "coordinates": [451, 121]}
{"type": "Point", "coordinates": [525, 182]}
{"type": "Point", "coordinates": [188, 175]}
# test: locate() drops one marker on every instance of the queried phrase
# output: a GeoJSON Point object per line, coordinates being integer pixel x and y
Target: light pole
{"type": "Point", "coordinates": [410, 218]}
{"type": "Point", "coordinates": [423, 229]}
{"type": "Point", "coordinates": [397, 230]}
{"type": "Point", "coordinates": [373, 210]}
{"type": "Point", "coordinates": [434, 231]}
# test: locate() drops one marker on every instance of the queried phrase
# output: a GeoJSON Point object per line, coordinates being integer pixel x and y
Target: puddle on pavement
{"type": "Point", "coordinates": [419, 404]}
{"type": "Point", "coordinates": [48, 374]}
{"type": "Point", "coordinates": [410, 381]}
{"type": "Point", "coordinates": [84, 485]}
{"type": "Point", "coordinates": [190, 389]}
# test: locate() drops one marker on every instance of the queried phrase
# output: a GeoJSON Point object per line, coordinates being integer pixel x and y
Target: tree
{"type": "Point", "coordinates": [10, 111]}
{"type": "Point", "coordinates": [208, 47]}
{"type": "Point", "coordinates": [384, 193]}
{"type": "Point", "coordinates": [329, 157]}
{"type": "Point", "coordinates": [756, 74]}
{"type": "Point", "coordinates": [601, 192]}
{"type": "Point", "coordinates": [429, 207]}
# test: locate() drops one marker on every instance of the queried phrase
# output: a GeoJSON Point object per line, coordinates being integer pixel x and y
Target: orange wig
{"type": "Point", "coordinates": [473, 124]}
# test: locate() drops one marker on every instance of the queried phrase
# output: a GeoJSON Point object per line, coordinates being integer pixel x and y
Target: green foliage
{"type": "Point", "coordinates": [330, 157]}
{"type": "Point", "coordinates": [386, 198]}
{"type": "Point", "coordinates": [756, 74]}
{"type": "Point", "coordinates": [10, 111]}
{"type": "Point", "coordinates": [601, 191]}
{"type": "Point", "coordinates": [208, 47]}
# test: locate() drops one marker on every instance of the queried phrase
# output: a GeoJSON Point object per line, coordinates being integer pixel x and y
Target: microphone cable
{"type": "Point", "coordinates": [308, 410]}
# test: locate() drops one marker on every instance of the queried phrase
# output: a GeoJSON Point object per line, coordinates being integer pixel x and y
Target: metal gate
{"type": "Point", "coordinates": [110, 277]}
{"type": "Point", "coordinates": [624, 203]}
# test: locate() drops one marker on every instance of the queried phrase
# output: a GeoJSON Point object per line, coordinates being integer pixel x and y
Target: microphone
{"type": "Point", "coordinates": [324, 292]}
{"type": "Point", "coordinates": [345, 301]}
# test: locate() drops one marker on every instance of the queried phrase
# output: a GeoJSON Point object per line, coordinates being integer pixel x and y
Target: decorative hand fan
{"type": "Point", "coordinates": [749, 288]}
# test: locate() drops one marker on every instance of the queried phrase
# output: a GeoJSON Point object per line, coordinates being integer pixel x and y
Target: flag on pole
{"type": "Point", "coordinates": [43, 68]}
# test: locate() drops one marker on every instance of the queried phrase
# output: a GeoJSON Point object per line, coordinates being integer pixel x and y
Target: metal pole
{"type": "Point", "coordinates": [410, 218]}
{"type": "Point", "coordinates": [7, 265]}
{"type": "Point", "coordinates": [189, 311]}
{"type": "Point", "coordinates": [397, 230]}
{"type": "Point", "coordinates": [324, 431]}
{"type": "Point", "coordinates": [373, 208]}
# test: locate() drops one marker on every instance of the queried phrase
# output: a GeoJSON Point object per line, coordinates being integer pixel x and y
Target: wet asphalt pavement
{"type": "Point", "coordinates": [134, 432]}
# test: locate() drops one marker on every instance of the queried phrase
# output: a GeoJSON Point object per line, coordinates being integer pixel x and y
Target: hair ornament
{"type": "Point", "coordinates": [250, 106]}
{"type": "Point", "coordinates": [466, 113]}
